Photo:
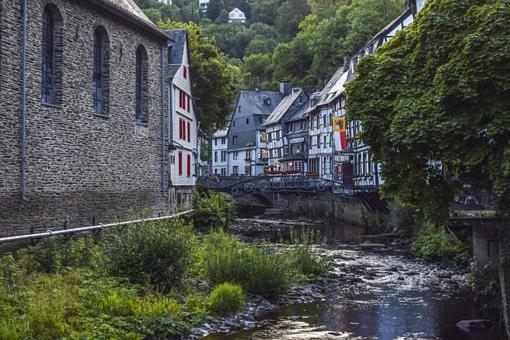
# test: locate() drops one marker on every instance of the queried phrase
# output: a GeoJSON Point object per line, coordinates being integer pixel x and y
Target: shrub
{"type": "Point", "coordinates": [214, 210]}
{"type": "Point", "coordinates": [158, 253]}
{"type": "Point", "coordinates": [307, 262]}
{"type": "Point", "coordinates": [257, 270]}
{"type": "Point", "coordinates": [226, 299]}
{"type": "Point", "coordinates": [438, 245]}
{"type": "Point", "coordinates": [58, 255]}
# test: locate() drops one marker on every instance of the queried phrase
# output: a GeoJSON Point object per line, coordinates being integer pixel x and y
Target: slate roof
{"type": "Point", "coordinates": [283, 107]}
{"type": "Point", "coordinates": [179, 38]}
{"type": "Point", "coordinates": [220, 133]}
{"type": "Point", "coordinates": [302, 113]}
{"type": "Point", "coordinates": [256, 106]}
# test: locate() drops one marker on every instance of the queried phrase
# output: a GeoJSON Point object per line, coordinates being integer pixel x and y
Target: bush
{"type": "Point", "coordinates": [214, 210]}
{"type": "Point", "coordinates": [226, 299]}
{"type": "Point", "coordinates": [158, 253]}
{"type": "Point", "coordinates": [438, 245]}
{"type": "Point", "coordinates": [257, 270]}
{"type": "Point", "coordinates": [58, 255]}
{"type": "Point", "coordinates": [307, 262]}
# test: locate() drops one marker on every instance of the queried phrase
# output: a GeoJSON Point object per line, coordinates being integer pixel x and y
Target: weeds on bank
{"type": "Point", "coordinates": [145, 281]}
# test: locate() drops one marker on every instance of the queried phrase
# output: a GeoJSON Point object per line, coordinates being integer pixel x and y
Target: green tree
{"type": "Point", "coordinates": [214, 9]}
{"type": "Point", "coordinates": [264, 11]}
{"type": "Point", "coordinates": [434, 104]}
{"type": "Point", "coordinates": [288, 17]}
{"type": "Point", "coordinates": [260, 44]}
{"type": "Point", "coordinates": [213, 78]}
{"type": "Point", "coordinates": [257, 71]}
{"type": "Point", "coordinates": [345, 32]}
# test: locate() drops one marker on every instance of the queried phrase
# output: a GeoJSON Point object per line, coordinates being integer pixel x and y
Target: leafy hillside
{"type": "Point", "coordinates": [299, 40]}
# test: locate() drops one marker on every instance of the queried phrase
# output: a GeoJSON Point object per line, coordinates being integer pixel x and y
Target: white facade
{"type": "Point", "coordinates": [274, 145]}
{"type": "Point", "coordinates": [236, 16]}
{"type": "Point", "coordinates": [320, 143]}
{"type": "Point", "coordinates": [219, 153]}
{"type": "Point", "coordinates": [166, 2]}
{"type": "Point", "coordinates": [183, 128]}
{"type": "Point", "coordinates": [203, 4]}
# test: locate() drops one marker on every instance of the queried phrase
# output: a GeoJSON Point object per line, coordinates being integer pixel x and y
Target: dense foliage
{"type": "Point", "coordinates": [149, 280]}
{"type": "Point", "coordinates": [297, 40]}
{"type": "Point", "coordinates": [213, 79]}
{"type": "Point", "coordinates": [434, 104]}
{"type": "Point", "coordinates": [213, 210]}
{"type": "Point", "coordinates": [226, 299]}
{"type": "Point", "coordinates": [157, 253]}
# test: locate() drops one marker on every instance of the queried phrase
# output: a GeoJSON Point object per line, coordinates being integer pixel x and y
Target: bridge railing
{"type": "Point", "coordinates": [285, 183]}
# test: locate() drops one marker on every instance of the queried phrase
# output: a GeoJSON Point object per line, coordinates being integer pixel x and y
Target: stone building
{"type": "Point", "coordinates": [82, 113]}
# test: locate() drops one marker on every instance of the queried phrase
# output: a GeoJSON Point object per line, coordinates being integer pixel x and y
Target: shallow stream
{"type": "Point", "coordinates": [380, 295]}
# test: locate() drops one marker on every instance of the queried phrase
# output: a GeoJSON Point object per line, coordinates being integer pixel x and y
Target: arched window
{"type": "Point", "coordinates": [142, 85]}
{"type": "Point", "coordinates": [51, 56]}
{"type": "Point", "coordinates": [101, 72]}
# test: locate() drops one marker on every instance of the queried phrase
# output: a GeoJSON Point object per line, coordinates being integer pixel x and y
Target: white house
{"type": "Point", "coordinates": [202, 5]}
{"type": "Point", "coordinates": [236, 16]}
{"type": "Point", "coordinates": [182, 123]}
{"type": "Point", "coordinates": [219, 152]}
{"type": "Point", "coordinates": [167, 2]}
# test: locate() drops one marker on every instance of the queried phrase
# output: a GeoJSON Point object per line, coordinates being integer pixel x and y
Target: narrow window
{"type": "Point", "coordinates": [180, 163]}
{"type": "Point", "coordinates": [189, 132]}
{"type": "Point", "coordinates": [183, 130]}
{"type": "Point", "coordinates": [100, 79]}
{"type": "Point", "coordinates": [51, 56]}
{"type": "Point", "coordinates": [185, 72]}
{"type": "Point", "coordinates": [188, 165]}
{"type": "Point", "coordinates": [142, 85]}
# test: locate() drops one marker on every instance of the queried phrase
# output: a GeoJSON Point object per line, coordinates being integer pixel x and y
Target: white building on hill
{"type": "Point", "coordinates": [236, 16]}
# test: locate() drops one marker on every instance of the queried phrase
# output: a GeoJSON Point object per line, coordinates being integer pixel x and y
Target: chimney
{"type": "Point", "coordinates": [285, 88]}
{"type": "Point", "coordinates": [347, 62]}
{"type": "Point", "coordinates": [411, 4]}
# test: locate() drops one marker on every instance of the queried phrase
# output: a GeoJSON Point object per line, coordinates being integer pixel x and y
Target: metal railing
{"type": "Point", "coordinates": [53, 233]}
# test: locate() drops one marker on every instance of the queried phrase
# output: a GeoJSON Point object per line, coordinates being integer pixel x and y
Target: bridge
{"type": "Point", "coordinates": [263, 187]}
{"type": "Point", "coordinates": [242, 185]}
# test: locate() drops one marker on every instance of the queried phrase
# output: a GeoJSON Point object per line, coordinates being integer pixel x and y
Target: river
{"type": "Point", "coordinates": [380, 295]}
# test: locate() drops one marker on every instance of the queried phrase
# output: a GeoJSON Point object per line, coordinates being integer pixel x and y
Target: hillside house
{"type": "Point", "coordinates": [236, 16]}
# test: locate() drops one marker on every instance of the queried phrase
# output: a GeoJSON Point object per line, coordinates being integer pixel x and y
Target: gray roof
{"type": "Point", "coordinates": [179, 37]}
{"type": "Point", "coordinates": [255, 106]}
{"type": "Point", "coordinates": [252, 103]}
{"type": "Point", "coordinates": [302, 113]}
{"type": "Point", "coordinates": [283, 107]}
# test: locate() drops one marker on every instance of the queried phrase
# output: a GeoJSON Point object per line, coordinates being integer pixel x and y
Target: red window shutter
{"type": "Point", "coordinates": [188, 170]}
{"type": "Point", "coordinates": [189, 132]}
{"type": "Point", "coordinates": [180, 163]}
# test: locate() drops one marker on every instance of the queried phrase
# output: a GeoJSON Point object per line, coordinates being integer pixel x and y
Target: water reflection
{"type": "Point", "coordinates": [380, 296]}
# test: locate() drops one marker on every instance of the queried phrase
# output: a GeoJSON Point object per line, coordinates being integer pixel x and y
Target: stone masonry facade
{"type": "Point", "coordinates": [80, 167]}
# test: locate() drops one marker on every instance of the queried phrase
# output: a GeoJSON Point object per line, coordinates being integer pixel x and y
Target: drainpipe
{"type": "Point", "coordinates": [162, 123]}
{"type": "Point", "coordinates": [23, 118]}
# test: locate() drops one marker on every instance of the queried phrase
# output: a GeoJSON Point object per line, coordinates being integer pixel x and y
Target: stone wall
{"type": "Point", "coordinates": [79, 166]}
{"type": "Point", "coordinates": [329, 207]}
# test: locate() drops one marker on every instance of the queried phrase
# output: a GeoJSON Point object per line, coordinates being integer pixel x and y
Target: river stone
{"type": "Point", "coordinates": [468, 325]}
{"type": "Point", "coordinates": [199, 332]}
